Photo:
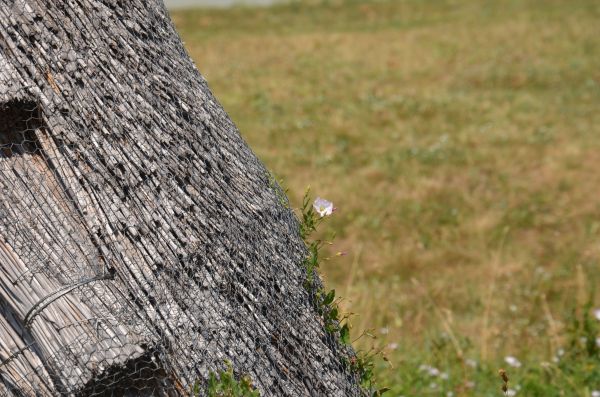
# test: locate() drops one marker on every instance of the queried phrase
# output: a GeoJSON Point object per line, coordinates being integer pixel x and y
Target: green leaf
{"type": "Point", "coordinates": [333, 314]}
{"type": "Point", "coordinates": [345, 334]}
{"type": "Point", "coordinates": [329, 297]}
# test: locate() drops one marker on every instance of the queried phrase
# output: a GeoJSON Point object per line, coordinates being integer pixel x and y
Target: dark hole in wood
{"type": "Point", "coordinates": [18, 122]}
{"type": "Point", "coordinates": [142, 376]}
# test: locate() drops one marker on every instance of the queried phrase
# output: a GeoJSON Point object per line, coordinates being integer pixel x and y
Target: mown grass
{"type": "Point", "coordinates": [460, 142]}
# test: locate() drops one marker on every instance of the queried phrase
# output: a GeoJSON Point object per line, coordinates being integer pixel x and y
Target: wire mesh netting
{"type": "Point", "coordinates": [142, 244]}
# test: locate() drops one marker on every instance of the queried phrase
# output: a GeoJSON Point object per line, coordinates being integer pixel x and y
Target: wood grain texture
{"type": "Point", "coordinates": [127, 164]}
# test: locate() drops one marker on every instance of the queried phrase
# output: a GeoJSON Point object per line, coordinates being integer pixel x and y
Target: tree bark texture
{"type": "Point", "coordinates": [142, 243]}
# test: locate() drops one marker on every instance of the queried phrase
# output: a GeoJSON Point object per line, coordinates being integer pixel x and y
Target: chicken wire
{"type": "Point", "coordinates": [142, 243]}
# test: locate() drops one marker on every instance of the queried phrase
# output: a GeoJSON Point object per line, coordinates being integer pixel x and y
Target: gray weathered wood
{"type": "Point", "coordinates": [141, 241]}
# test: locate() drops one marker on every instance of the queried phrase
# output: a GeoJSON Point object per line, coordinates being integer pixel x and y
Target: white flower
{"type": "Point", "coordinates": [432, 371]}
{"type": "Point", "coordinates": [512, 361]}
{"type": "Point", "coordinates": [595, 393]}
{"type": "Point", "coordinates": [393, 346]}
{"type": "Point", "coordinates": [511, 392]}
{"type": "Point", "coordinates": [384, 331]}
{"type": "Point", "coordinates": [323, 207]}
{"type": "Point", "coordinates": [471, 363]}
{"type": "Point", "coordinates": [444, 375]}
{"type": "Point", "coordinates": [450, 394]}
{"type": "Point", "coordinates": [597, 314]}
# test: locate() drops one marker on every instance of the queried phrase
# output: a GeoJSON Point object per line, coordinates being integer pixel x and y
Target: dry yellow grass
{"type": "Point", "coordinates": [458, 139]}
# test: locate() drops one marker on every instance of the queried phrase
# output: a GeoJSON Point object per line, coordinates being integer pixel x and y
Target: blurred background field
{"type": "Point", "coordinates": [460, 141]}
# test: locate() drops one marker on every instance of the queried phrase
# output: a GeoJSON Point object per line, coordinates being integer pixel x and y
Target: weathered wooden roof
{"type": "Point", "coordinates": [141, 241]}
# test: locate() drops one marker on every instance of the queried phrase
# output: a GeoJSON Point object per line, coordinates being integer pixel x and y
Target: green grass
{"type": "Point", "coordinates": [459, 140]}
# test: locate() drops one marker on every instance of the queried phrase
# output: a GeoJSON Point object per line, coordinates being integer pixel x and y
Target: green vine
{"type": "Point", "coordinates": [325, 303]}
{"type": "Point", "coordinates": [224, 384]}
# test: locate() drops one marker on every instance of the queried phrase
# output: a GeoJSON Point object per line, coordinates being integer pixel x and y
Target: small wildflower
{"type": "Point", "coordinates": [471, 363]}
{"type": "Point", "coordinates": [444, 375]}
{"type": "Point", "coordinates": [393, 346]}
{"type": "Point", "coordinates": [323, 207]}
{"type": "Point", "coordinates": [512, 361]}
{"type": "Point", "coordinates": [559, 353]}
{"type": "Point", "coordinates": [384, 331]}
{"type": "Point", "coordinates": [432, 371]}
{"type": "Point", "coordinates": [511, 392]}
{"type": "Point", "coordinates": [597, 314]}
{"type": "Point", "coordinates": [450, 394]}
{"type": "Point", "coordinates": [595, 393]}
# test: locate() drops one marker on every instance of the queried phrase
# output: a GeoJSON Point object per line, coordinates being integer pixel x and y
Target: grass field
{"type": "Point", "coordinates": [460, 141]}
